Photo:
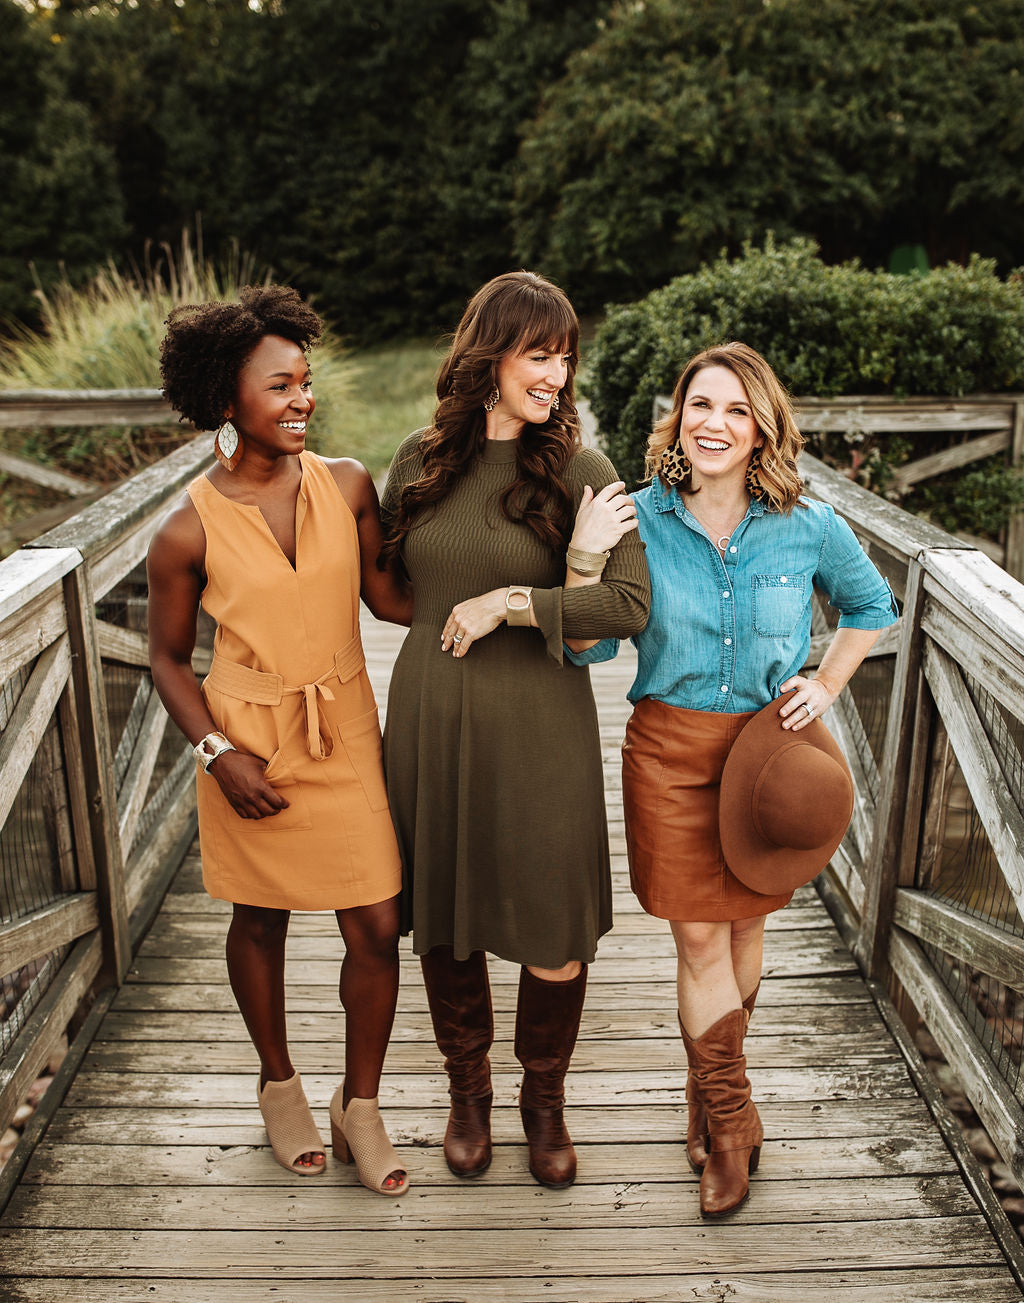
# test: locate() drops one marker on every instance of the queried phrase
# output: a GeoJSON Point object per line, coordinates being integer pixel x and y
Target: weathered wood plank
{"type": "Point", "coordinates": [948, 1284]}
{"type": "Point", "coordinates": [961, 454]}
{"type": "Point", "coordinates": [918, 1155]}
{"type": "Point", "coordinates": [56, 924]}
{"type": "Point", "coordinates": [593, 1053]}
{"type": "Point", "coordinates": [994, 1102]}
{"type": "Point", "coordinates": [24, 408]}
{"type": "Point", "coordinates": [636, 1203]}
{"type": "Point", "coordinates": [341, 1255]}
{"type": "Point", "coordinates": [23, 468]}
{"type": "Point", "coordinates": [36, 706]}
{"type": "Point", "coordinates": [894, 1121]}
{"type": "Point", "coordinates": [992, 950]}
{"type": "Point", "coordinates": [870, 1080]}
{"type": "Point", "coordinates": [323, 996]}
{"type": "Point", "coordinates": [979, 764]}
{"type": "Point", "coordinates": [46, 1025]}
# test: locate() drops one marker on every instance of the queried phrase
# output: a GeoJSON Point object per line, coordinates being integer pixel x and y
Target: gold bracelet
{"type": "Point", "coordinates": [586, 564]}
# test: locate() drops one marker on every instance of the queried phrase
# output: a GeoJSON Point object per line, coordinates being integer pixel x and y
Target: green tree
{"type": "Point", "coordinates": [60, 202]}
{"type": "Point", "coordinates": [689, 125]}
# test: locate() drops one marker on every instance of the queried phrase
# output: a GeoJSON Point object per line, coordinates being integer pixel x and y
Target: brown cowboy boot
{"type": "Point", "coordinates": [459, 996]}
{"type": "Point", "coordinates": [733, 1124]}
{"type": "Point", "coordinates": [547, 1021]}
{"type": "Point", "coordinates": [697, 1118]}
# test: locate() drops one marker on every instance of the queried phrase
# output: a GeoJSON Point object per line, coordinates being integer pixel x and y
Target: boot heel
{"type": "Point", "coordinates": [755, 1158]}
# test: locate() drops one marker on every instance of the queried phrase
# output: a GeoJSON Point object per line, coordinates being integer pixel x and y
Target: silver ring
{"type": "Point", "coordinates": [810, 710]}
{"type": "Point", "coordinates": [457, 637]}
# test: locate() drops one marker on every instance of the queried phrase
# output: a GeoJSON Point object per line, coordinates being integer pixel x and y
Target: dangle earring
{"type": "Point", "coordinates": [492, 400]}
{"type": "Point", "coordinates": [555, 403]}
{"type": "Point", "coordinates": [755, 488]}
{"type": "Point", "coordinates": [675, 465]}
{"type": "Point", "coordinates": [228, 447]}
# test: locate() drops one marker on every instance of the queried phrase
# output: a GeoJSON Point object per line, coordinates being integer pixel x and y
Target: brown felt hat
{"type": "Point", "coordinates": [785, 802]}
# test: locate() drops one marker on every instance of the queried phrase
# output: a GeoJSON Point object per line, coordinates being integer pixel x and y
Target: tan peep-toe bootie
{"type": "Point", "coordinates": [357, 1134]}
{"type": "Point", "coordinates": [290, 1126]}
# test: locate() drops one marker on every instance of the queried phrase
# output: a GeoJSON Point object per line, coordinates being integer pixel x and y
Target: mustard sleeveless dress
{"type": "Point", "coordinates": [288, 683]}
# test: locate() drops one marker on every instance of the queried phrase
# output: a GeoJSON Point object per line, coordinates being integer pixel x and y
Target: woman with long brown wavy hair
{"type": "Point", "coordinates": [514, 536]}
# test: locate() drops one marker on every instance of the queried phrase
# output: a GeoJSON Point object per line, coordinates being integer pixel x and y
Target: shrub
{"type": "Point", "coordinates": [106, 335]}
{"type": "Point", "coordinates": [826, 330]}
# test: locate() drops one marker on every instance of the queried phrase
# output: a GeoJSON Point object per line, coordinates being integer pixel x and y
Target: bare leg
{"type": "Point", "coordinates": [705, 979]}
{"type": "Point", "coordinates": [748, 953]}
{"type": "Point", "coordinates": [368, 988]}
{"type": "Point", "coordinates": [255, 957]}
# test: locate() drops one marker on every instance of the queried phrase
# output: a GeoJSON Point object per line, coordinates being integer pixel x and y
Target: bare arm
{"type": "Point", "coordinates": [845, 653]}
{"type": "Point", "coordinates": [175, 569]}
{"type": "Point", "coordinates": [388, 595]}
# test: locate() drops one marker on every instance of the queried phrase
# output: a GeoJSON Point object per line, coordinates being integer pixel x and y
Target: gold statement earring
{"type": "Point", "coordinates": [555, 403]}
{"type": "Point", "coordinates": [492, 400]}
{"type": "Point", "coordinates": [675, 465]}
{"type": "Point", "coordinates": [228, 447]}
{"type": "Point", "coordinates": [753, 481]}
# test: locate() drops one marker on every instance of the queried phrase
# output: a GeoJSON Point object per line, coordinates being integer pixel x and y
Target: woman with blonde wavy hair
{"type": "Point", "coordinates": [734, 552]}
{"type": "Point", "coordinates": [514, 536]}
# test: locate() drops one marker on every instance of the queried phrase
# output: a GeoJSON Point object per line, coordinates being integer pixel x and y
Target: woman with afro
{"type": "Point", "coordinates": [278, 545]}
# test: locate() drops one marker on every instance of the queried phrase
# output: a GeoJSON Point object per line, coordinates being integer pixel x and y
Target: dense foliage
{"type": "Point", "coordinates": [826, 329]}
{"type": "Point", "coordinates": [388, 158]}
{"type": "Point", "coordinates": [693, 124]}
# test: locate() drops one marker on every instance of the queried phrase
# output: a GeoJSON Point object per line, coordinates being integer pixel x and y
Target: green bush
{"type": "Point", "coordinates": [826, 330]}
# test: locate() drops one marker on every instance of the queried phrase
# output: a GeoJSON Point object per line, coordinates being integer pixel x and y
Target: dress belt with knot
{"type": "Point", "coordinates": [266, 689]}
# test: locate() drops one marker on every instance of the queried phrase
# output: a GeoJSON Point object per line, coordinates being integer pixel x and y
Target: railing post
{"type": "Point", "coordinates": [97, 767]}
{"type": "Point", "coordinates": [897, 814]}
{"type": "Point", "coordinates": [1014, 563]}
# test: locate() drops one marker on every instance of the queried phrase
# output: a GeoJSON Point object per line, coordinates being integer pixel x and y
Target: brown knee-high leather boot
{"type": "Point", "coordinates": [547, 1022]}
{"type": "Point", "coordinates": [697, 1117]}
{"type": "Point", "coordinates": [459, 996]}
{"type": "Point", "coordinates": [734, 1127]}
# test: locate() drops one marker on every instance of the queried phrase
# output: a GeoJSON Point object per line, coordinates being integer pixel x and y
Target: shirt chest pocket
{"type": "Point", "coordinates": [779, 602]}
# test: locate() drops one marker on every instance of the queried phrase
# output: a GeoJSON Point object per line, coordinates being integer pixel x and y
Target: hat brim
{"type": "Point", "coordinates": [758, 864]}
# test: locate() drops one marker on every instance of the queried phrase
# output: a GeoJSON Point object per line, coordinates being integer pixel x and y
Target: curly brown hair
{"type": "Point", "coordinates": [511, 314]}
{"type": "Point", "coordinates": [773, 413]}
{"type": "Point", "coordinates": [207, 344]}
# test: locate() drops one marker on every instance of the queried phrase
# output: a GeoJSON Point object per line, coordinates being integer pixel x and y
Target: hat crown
{"type": "Point", "coordinates": [801, 798]}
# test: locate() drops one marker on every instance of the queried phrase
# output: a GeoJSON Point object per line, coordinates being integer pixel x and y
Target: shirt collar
{"type": "Point", "coordinates": [666, 497]}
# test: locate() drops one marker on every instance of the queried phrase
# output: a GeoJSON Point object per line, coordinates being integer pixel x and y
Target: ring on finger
{"type": "Point", "coordinates": [458, 637]}
{"type": "Point", "coordinates": [810, 710]}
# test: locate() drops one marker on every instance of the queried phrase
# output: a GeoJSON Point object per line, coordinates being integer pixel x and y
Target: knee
{"type": "Point", "coordinates": [374, 939]}
{"type": "Point", "coordinates": [263, 928]}
{"type": "Point", "coordinates": [701, 946]}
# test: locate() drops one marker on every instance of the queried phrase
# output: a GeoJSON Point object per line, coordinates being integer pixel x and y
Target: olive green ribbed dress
{"type": "Point", "coordinates": [493, 760]}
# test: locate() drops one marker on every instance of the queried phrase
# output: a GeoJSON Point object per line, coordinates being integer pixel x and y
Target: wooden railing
{"type": "Point", "coordinates": [931, 726]}
{"type": "Point", "coordinates": [96, 793]}
{"type": "Point", "coordinates": [929, 883]}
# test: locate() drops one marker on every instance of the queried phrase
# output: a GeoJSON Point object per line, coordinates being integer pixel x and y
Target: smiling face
{"type": "Point", "coordinates": [527, 382]}
{"type": "Point", "coordinates": [273, 398]}
{"type": "Point", "coordinates": [717, 430]}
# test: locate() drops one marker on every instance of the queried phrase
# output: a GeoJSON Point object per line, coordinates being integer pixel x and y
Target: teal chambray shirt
{"type": "Point", "coordinates": [723, 635]}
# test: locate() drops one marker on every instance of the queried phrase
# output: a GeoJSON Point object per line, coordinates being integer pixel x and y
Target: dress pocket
{"type": "Point", "coordinates": [361, 739]}
{"type": "Point", "coordinates": [779, 602]}
{"type": "Point", "coordinates": [279, 775]}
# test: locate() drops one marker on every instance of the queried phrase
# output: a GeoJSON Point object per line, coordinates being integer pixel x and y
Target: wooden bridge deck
{"type": "Point", "coordinates": [155, 1182]}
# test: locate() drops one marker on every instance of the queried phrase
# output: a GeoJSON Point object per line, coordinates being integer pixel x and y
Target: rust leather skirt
{"type": "Point", "coordinates": [672, 761]}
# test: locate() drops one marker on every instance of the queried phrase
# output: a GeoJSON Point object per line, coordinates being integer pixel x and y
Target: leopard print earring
{"type": "Point", "coordinates": [755, 488]}
{"type": "Point", "coordinates": [674, 467]}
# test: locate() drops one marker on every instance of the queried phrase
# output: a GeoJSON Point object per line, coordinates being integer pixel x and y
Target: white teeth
{"type": "Point", "coordinates": [292, 425]}
{"type": "Point", "coordinates": [540, 396]}
{"type": "Point", "coordinates": [712, 445]}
